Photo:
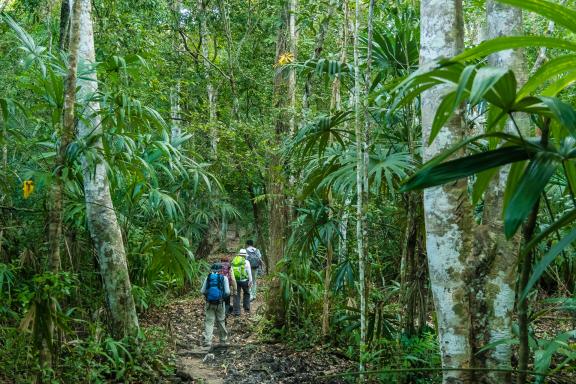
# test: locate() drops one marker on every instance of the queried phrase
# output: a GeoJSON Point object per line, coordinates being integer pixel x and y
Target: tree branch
{"type": "Point", "coordinates": [196, 54]}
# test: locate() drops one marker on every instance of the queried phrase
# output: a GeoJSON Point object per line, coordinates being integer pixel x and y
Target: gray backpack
{"type": "Point", "coordinates": [253, 259]}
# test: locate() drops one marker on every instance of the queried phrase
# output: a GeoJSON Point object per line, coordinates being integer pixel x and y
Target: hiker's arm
{"type": "Point", "coordinates": [203, 289]}
{"type": "Point", "coordinates": [232, 282]}
{"type": "Point", "coordinates": [226, 286]}
{"type": "Point", "coordinates": [249, 270]}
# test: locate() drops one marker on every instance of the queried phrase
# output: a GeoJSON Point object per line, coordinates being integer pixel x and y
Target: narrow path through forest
{"type": "Point", "coordinates": [251, 357]}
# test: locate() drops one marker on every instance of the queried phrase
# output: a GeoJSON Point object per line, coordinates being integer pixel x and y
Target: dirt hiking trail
{"type": "Point", "coordinates": [248, 358]}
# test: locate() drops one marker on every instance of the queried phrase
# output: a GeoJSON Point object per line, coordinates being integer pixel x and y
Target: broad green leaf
{"type": "Point", "coordinates": [559, 85]}
{"type": "Point", "coordinates": [546, 72]}
{"type": "Point", "coordinates": [443, 113]}
{"type": "Point", "coordinates": [562, 111]}
{"type": "Point", "coordinates": [511, 42]}
{"type": "Point", "coordinates": [451, 102]}
{"type": "Point", "coordinates": [570, 171]}
{"type": "Point", "coordinates": [503, 92]}
{"type": "Point", "coordinates": [484, 80]}
{"type": "Point", "coordinates": [507, 138]}
{"type": "Point", "coordinates": [547, 260]}
{"type": "Point", "coordinates": [466, 166]}
{"type": "Point", "coordinates": [528, 191]}
{"type": "Point", "coordinates": [561, 15]}
{"type": "Point", "coordinates": [516, 172]}
{"type": "Point", "coordinates": [482, 182]}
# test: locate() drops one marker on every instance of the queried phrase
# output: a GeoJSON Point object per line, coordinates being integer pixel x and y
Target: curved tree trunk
{"type": "Point", "coordinates": [102, 221]}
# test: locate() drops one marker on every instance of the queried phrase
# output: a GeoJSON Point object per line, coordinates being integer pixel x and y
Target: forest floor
{"type": "Point", "coordinates": [249, 358]}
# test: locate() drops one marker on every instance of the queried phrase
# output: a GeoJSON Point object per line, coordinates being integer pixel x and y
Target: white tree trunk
{"type": "Point", "coordinates": [495, 251]}
{"type": "Point", "coordinates": [176, 130]}
{"type": "Point", "coordinates": [102, 221]}
{"type": "Point", "coordinates": [210, 91]}
{"type": "Point", "coordinates": [360, 207]}
{"type": "Point", "coordinates": [293, 39]}
{"type": "Point", "coordinates": [446, 208]}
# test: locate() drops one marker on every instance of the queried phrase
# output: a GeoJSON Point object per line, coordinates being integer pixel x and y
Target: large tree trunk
{"type": "Point", "coordinates": [446, 208]}
{"type": "Point", "coordinates": [284, 93]}
{"type": "Point", "coordinates": [102, 221]}
{"type": "Point", "coordinates": [495, 251]}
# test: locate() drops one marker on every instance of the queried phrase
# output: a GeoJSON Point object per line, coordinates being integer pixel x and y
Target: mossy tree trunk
{"type": "Point", "coordinates": [102, 221]}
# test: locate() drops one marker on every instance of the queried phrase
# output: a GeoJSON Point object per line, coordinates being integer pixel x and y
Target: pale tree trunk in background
{"type": "Point", "coordinates": [102, 221]}
{"type": "Point", "coordinates": [210, 91]}
{"type": "Point", "coordinates": [361, 192]}
{"type": "Point", "coordinates": [336, 105]}
{"type": "Point", "coordinates": [224, 9]}
{"type": "Point", "coordinates": [446, 208]}
{"type": "Point", "coordinates": [175, 126]}
{"type": "Point", "coordinates": [293, 39]}
{"type": "Point", "coordinates": [493, 253]}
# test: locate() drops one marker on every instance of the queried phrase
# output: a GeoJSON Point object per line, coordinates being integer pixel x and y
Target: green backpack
{"type": "Point", "coordinates": [238, 267]}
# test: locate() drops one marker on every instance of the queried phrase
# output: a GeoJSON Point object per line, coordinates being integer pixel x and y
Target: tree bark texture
{"type": "Point", "coordinates": [102, 221]}
{"type": "Point", "coordinates": [361, 184]}
{"type": "Point", "coordinates": [493, 252]}
{"type": "Point", "coordinates": [447, 210]}
{"type": "Point", "coordinates": [277, 180]}
{"type": "Point", "coordinates": [413, 277]}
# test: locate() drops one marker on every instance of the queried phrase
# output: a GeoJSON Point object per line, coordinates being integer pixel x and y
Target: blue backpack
{"type": "Point", "coordinates": [214, 288]}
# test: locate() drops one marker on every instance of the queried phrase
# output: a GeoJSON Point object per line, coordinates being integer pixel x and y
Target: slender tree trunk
{"type": "Point", "coordinates": [56, 195]}
{"type": "Point", "coordinates": [102, 221]}
{"type": "Point", "coordinates": [318, 47]}
{"type": "Point", "coordinates": [361, 182]}
{"type": "Point", "coordinates": [176, 130]}
{"type": "Point", "coordinates": [257, 211]}
{"type": "Point", "coordinates": [64, 35]}
{"type": "Point", "coordinates": [279, 207]}
{"type": "Point", "coordinates": [224, 9]}
{"type": "Point", "coordinates": [210, 91]}
{"type": "Point", "coordinates": [446, 208]}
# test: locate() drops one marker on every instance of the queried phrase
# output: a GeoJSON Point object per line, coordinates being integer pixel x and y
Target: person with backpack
{"type": "Point", "coordinates": [215, 289]}
{"type": "Point", "coordinates": [243, 276]}
{"type": "Point", "coordinates": [227, 271]}
{"type": "Point", "coordinates": [254, 257]}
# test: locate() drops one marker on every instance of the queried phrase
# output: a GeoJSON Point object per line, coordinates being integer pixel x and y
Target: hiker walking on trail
{"type": "Point", "coordinates": [243, 276]}
{"type": "Point", "coordinates": [254, 257]}
{"type": "Point", "coordinates": [215, 289]}
{"type": "Point", "coordinates": [227, 271]}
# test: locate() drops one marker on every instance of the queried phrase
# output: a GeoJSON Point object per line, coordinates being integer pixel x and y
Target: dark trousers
{"type": "Point", "coordinates": [227, 305]}
{"type": "Point", "coordinates": [245, 291]}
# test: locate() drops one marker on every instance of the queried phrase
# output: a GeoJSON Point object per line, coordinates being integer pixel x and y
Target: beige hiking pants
{"type": "Point", "coordinates": [215, 313]}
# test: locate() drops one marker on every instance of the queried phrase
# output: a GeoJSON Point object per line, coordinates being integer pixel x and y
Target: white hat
{"type": "Point", "coordinates": [242, 252]}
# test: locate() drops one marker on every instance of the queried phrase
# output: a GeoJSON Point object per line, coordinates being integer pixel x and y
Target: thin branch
{"type": "Point", "coordinates": [196, 54]}
{"type": "Point", "coordinates": [18, 209]}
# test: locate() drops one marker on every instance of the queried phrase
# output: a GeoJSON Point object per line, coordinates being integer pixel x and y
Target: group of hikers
{"type": "Point", "coordinates": [230, 278]}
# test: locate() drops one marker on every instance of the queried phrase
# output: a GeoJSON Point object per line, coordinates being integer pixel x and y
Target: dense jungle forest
{"type": "Point", "coordinates": [288, 191]}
